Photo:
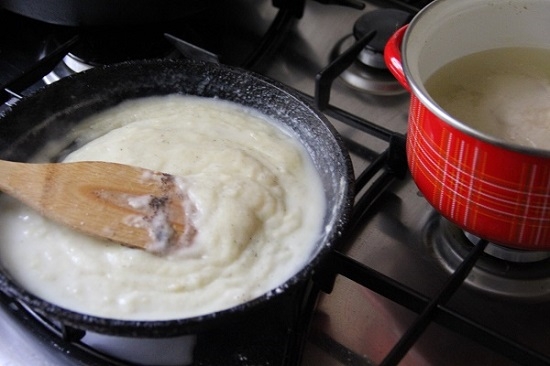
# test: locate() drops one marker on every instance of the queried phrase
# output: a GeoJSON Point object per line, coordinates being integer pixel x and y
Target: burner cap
{"type": "Point", "coordinates": [369, 73]}
{"type": "Point", "coordinates": [368, 79]}
{"type": "Point", "coordinates": [385, 22]}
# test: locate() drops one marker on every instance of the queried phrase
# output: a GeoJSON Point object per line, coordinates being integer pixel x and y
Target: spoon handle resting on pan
{"type": "Point", "coordinates": [132, 206]}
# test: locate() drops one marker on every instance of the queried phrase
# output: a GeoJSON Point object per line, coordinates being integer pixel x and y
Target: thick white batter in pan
{"type": "Point", "coordinates": [258, 210]}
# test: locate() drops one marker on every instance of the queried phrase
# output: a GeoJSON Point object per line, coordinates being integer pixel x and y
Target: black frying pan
{"type": "Point", "coordinates": [54, 110]}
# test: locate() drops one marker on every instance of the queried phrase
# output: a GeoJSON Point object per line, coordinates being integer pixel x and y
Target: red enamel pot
{"type": "Point", "coordinates": [489, 187]}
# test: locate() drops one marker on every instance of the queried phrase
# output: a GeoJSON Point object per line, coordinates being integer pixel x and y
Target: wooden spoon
{"type": "Point", "coordinates": [133, 206]}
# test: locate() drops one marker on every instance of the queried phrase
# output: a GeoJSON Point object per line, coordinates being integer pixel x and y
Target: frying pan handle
{"type": "Point", "coordinates": [392, 56]}
{"type": "Point", "coordinates": [191, 51]}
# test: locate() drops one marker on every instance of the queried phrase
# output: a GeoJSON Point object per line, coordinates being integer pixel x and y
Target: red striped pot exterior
{"type": "Point", "coordinates": [494, 192]}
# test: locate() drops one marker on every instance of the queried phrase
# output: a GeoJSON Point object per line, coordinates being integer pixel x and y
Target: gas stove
{"type": "Point", "coordinates": [404, 287]}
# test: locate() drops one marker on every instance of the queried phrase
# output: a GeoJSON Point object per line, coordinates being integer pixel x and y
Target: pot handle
{"type": "Point", "coordinates": [392, 56]}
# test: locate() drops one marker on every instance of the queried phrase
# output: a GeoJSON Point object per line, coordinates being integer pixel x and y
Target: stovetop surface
{"type": "Point", "coordinates": [397, 236]}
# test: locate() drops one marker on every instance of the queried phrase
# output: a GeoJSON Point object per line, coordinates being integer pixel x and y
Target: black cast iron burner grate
{"type": "Point", "coordinates": [387, 167]}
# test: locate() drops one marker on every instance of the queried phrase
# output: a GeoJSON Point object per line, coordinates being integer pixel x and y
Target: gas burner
{"type": "Point", "coordinates": [510, 254]}
{"type": "Point", "coordinates": [368, 72]}
{"type": "Point", "coordinates": [509, 273]}
{"type": "Point", "coordinates": [384, 22]}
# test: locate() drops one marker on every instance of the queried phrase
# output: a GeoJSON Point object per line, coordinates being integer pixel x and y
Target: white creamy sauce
{"type": "Point", "coordinates": [503, 92]}
{"type": "Point", "coordinates": [257, 206]}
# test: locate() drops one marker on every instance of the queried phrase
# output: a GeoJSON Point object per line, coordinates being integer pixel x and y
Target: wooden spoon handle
{"type": "Point", "coordinates": [129, 205]}
{"type": "Point", "coordinates": [26, 182]}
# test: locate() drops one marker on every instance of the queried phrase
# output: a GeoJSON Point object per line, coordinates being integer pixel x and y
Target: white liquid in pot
{"type": "Point", "coordinates": [259, 210]}
{"type": "Point", "coordinates": [503, 92]}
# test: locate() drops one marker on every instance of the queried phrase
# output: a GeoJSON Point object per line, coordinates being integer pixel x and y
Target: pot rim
{"type": "Point", "coordinates": [418, 90]}
{"type": "Point", "coordinates": [328, 238]}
